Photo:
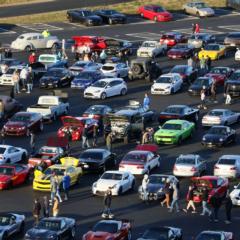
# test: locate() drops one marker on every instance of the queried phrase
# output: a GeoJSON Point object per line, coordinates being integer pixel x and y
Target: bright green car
{"type": "Point", "coordinates": [174, 131]}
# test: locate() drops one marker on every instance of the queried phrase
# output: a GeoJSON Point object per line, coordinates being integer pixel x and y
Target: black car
{"type": "Point", "coordinates": [199, 84]}
{"type": "Point", "coordinates": [83, 16]}
{"type": "Point", "coordinates": [162, 233]}
{"type": "Point", "coordinates": [56, 78]}
{"type": "Point", "coordinates": [97, 159]}
{"type": "Point", "coordinates": [114, 47]}
{"type": "Point", "coordinates": [219, 136]}
{"type": "Point", "coordinates": [52, 228]}
{"type": "Point", "coordinates": [111, 16]}
{"type": "Point", "coordinates": [232, 85]}
{"type": "Point", "coordinates": [179, 112]}
{"type": "Point", "coordinates": [188, 73]}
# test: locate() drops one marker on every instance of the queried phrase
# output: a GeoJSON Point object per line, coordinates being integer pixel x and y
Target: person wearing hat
{"type": "Point", "coordinates": [46, 33]}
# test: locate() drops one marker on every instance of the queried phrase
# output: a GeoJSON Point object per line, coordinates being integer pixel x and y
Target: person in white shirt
{"type": "Point", "coordinates": [145, 182]}
{"type": "Point", "coordinates": [23, 77]}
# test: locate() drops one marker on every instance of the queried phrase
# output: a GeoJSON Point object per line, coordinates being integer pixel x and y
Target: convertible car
{"type": "Point", "coordinates": [213, 50]}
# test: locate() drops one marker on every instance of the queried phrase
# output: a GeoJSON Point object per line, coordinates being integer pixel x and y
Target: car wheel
{"type": "Point", "coordinates": [123, 91]}
{"type": "Point", "coordinates": [172, 90]}
{"type": "Point", "coordinates": [8, 161]}
{"type": "Point", "coordinates": [73, 233]}
{"type": "Point", "coordinates": [155, 19]}
{"type": "Point", "coordinates": [70, 19]}
{"type": "Point", "coordinates": [41, 127]}
{"type": "Point", "coordinates": [55, 46]}
{"type": "Point", "coordinates": [28, 48]}
{"type": "Point", "coordinates": [192, 133]}
{"type": "Point", "coordinates": [120, 191]}
{"type": "Point", "coordinates": [24, 157]}
{"type": "Point", "coordinates": [54, 117]}
{"type": "Point", "coordinates": [66, 111]}
{"type": "Point", "coordinates": [198, 14]}
{"type": "Point", "coordinates": [129, 236]}
{"type": "Point", "coordinates": [79, 180]}
{"type": "Point", "coordinates": [103, 96]}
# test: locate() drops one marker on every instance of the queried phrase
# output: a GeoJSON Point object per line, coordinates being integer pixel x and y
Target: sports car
{"type": "Point", "coordinates": [41, 182]}
{"type": "Point", "coordinates": [110, 229]}
{"type": "Point", "coordinates": [199, 40]}
{"type": "Point", "coordinates": [220, 117]}
{"type": "Point", "coordinates": [80, 66]}
{"type": "Point", "coordinates": [52, 228]}
{"type": "Point", "coordinates": [119, 182]}
{"type": "Point", "coordinates": [119, 70]}
{"type": "Point", "coordinates": [155, 13]}
{"type": "Point", "coordinates": [162, 233]}
{"type": "Point", "coordinates": [181, 51]}
{"type": "Point", "coordinates": [215, 185]}
{"type": "Point", "coordinates": [22, 123]}
{"type": "Point", "coordinates": [179, 112]}
{"type": "Point", "coordinates": [141, 161]}
{"type": "Point", "coordinates": [220, 74]}
{"type": "Point", "coordinates": [197, 86]}
{"type": "Point", "coordinates": [172, 38]}
{"type": "Point", "coordinates": [219, 136]}
{"type": "Point", "coordinates": [151, 49]}
{"type": "Point", "coordinates": [200, 9]}
{"type": "Point", "coordinates": [214, 51]}
{"type": "Point", "coordinates": [174, 132]}
{"type": "Point", "coordinates": [12, 175]}
{"type": "Point", "coordinates": [235, 195]}
{"type": "Point", "coordinates": [73, 127]}
{"type": "Point", "coordinates": [11, 224]}
{"type": "Point", "coordinates": [56, 78]}
{"type": "Point", "coordinates": [155, 186]}
{"type": "Point", "coordinates": [97, 159]}
{"type": "Point", "coordinates": [110, 16]}
{"type": "Point", "coordinates": [217, 235]}
{"type": "Point", "coordinates": [11, 154]}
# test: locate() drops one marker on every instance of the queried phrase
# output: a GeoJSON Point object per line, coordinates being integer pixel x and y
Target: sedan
{"type": "Point", "coordinates": [97, 112]}
{"type": "Point", "coordinates": [106, 88]}
{"type": "Point", "coordinates": [119, 183]}
{"type": "Point", "coordinates": [200, 9]}
{"type": "Point", "coordinates": [197, 86]}
{"type": "Point", "coordinates": [228, 166]}
{"type": "Point", "coordinates": [56, 78]}
{"type": "Point", "coordinates": [235, 195]}
{"type": "Point", "coordinates": [22, 123]}
{"type": "Point", "coordinates": [110, 16]}
{"type": "Point", "coordinates": [181, 51]}
{"type": "Point", "coordinates": [232, 39]}
{"type": "Point", "coordinates": [167, 84]}
{"type": "Point", "coordinates": [80, 66]}
{"type": "Point", "coordinates": [199, 40]}
{"type": "Point", "coordinates": [219, 136]}
{"type": "Point", "coordinates": [172, 38]}
{"type": "Point", "coordinates": [179, 112]}
{"type": "Point", "coordinates": [220, 117]}
{"type": "Point", "coordinates": [118, 70]}
{"type": "Point", "coordinates": [218, 235]}
{"type": "Point", "coordinates": [155, 13]}
{"type": "Point", "coordinates": [189, 165]}
{"type": "Point", "coordinates": [214, 51]}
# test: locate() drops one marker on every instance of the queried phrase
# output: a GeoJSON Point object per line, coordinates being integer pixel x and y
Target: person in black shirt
{"type": "Point", "coordinates": [107, 201]}
{"type": "Point", "coordinates": [205, 208]}
{"type": "Point", "coordinates": [190, 200]}
{"type": "Point", "coordinates": [216, 202]}
{"type": "Point", "coordinates": [228, 208]}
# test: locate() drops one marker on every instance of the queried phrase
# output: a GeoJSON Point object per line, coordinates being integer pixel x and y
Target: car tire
{"type": "Point", "coordinates": [70, 19]}
{"type": "Point", "coordinates": [123, 91]}
{"type": "Point", "coordinates": [198, 14]}
{"type": "Point", "coordinates": [155, 19]}
{"type": "Point", "coordinates": [142, 15]}
{"type": "Point", "coordinates": [137, 69]}
{"type": "Point", "coordinates": [120, 191]}
{"type": "Point", "coordinates": [225, 123]}
{"type": "Point", "coordinates": [129, 236]}
{"type": "Point", "coordinates": [66, 111]}
{"type": "Point", "coordinates": [8, 161]}
{"type": "Point", "coordinates": [103, 96]}
{"type": "Point", "coordinates": [79, 180]}
{"type": "Point", "coordinates": [54, 117]}
{"type": "Point", "coordinates": [41, 127]}
{"type": "Point", "coordinates": [28, 48]}
{"type": "Point", "coordinates": [24, 157]}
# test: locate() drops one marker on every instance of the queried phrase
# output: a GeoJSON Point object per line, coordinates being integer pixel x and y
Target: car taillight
{"type": "Point", "coordinates": [233, 168]}
{"type": "Point", "coordinates": [140, 167]}
{"type": "Point", "coordinates": [171, 40]}
{"type": "Point", "coordinates": [193, 169]}
{"type": "Point", "coordinates": [216, 167]}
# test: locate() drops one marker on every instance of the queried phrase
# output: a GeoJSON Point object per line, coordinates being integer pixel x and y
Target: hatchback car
{"type": "Point", "coordinates": [119, 70]}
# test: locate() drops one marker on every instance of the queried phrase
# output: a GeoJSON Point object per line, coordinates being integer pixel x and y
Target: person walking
{"type": "Point", "coordinates": [145, 183]}
{"type": "Point", "coordinates": [197, 28]}
{"type": "Point", "coordinates": [175, 199]}
{"type": "Point", "coordinates": [190, 200]}
{"type": "Point", "coordinates": [228, 208]}
{"type": "Point", "coordinates": [146, 102]}
{"type": "Point", "coordinates": [66, 184]}
{"type": "Point", "coordinates": [214, 91]}
{"type": "Point", "coordinates": [29, 80]}
{"type": "Point", "coordinates": [58, 195]}
{"type": "Point", "coordinates": [32, 58]}
{"type": "Point", "coordinates": [208, 63]}
{"type": "Point", "coordinates": [167, 192]}
{"type": "Point", "coordinates": [32, 142]}
{"type": "Point", "coordinates": [16, 80]}
{"type": "Point", "coordinates": [36, 211]}
{"type": "Point", "coordinates": [53, 187]}
{"type": "Point", "coordinates": [45, 207]}
{"type": "Point", "coordinates": [205, 208]}
{"type": "Point", "coordinates": [193, 28]}
{"type": "Point", "coordinates": [95, 134]}
{"type": "Point", "coordinates": [109, 142]}
{"type": "Point", "coordinates": [203, 98]}
{"type": "Point", "coordinates": [3, 136]}
{"type": "Point", "coordinates": [107, 202]}
{"type": "Point", "coordinates": [55, 209]}
{"type": "Point", "coordinates": [203, 64]}
{"type": "Point", "coordinates": [216, 202]}
{"type": "Point", "coordinates": [23, 77]}
{"type": "Point", "coordinates": [103, 56]}
{"type": "Point", "coordinates": [228, 99]}
{"type": "Point", "coordinates": [85, 141]}
{"type": "Point", "coordinates": [190, 62]}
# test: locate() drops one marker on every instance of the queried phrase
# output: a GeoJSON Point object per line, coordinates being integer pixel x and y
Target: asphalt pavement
{"type": "Point", "coordinates": [85, 208]}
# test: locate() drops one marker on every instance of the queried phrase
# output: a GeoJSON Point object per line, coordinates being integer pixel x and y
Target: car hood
{"type": "Point", "coordinates": [40, 233]}
{"type": "Point", "coordinates": [162, 85]}
{"type": "Point", "coordinates": [93, 89]}
{"type": "Point", "coordinates": [153, 188]}
{"type": "Point", "coordinates": [94, 17]}
{"type": "Point", "coordinates": [196, 87]}
{"type": "Point", "coordinates": [213, 136]}
{"type": "Point", "coordinates": [209, 10]}
{"type": "Point", "coordinates": [105, 183]}
{"type": "Point", "coordinates": [4, 178]}
{"type": "Point", "coordinates": [15, 124]}
{"type": "Point", "coordinates": [117, 15]}
{"type": "Point", "coordinates": [148, 49]}
{"type": "Point", "coordinates": [166, 132]}
{"type": "Point", "coordinates": [81, 80]}
{"type": "Point", "coordinates": [98, 235]}
{"type": "Point", "coordinates": [177, 51]}
{"type": "Point", "coordinates": [49, 79]}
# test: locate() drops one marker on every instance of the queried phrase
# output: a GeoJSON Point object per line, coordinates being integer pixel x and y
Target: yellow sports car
{"type": "Point", "coordinates": [41, 181]}
{"type": "Point", "coordinates": [213, 50]}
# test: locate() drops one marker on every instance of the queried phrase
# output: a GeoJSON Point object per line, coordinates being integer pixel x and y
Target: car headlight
{"type": "Point", "coordinates": [98, 91]}
{"type": "Point", "coordinates": [221, 139]}
{"type": "Point", "coordinates": [190, 90]}
{"type": "Point", "coordinates": [168, 87]}
{"type": "Point", "coordinates": [51, 237]}
{"type": "Point", "coordinates": [22, 128]}
{"type": "Point", "coordinates": [204, 139]}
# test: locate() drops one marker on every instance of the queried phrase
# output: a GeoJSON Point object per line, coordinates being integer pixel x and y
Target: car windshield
{"type": "Point", "coordinates": [175, 110]}
{"type": "Point", "coordinates": [179, 69]}
{"type": "Point", "coordinates": [49, 225]}
{"type": "Point", "coordinates": [9, 171]}
{"type": "Point", "coordinates": [100, 84]}
{"type": "Point", "coordinates": [54, 72]}
{"type": "Point", "coordinates": [186, 160]}
{"type": "Point", "coordinates": [87, 13]}
{"type": "Point", "coordinates": [108, 68]}
{"type": "Point", "coordinates": [227, 161]}
{"type": "Point", "coordinates": [92, 155]}
{"type": "Point", "coordinates": [10, 71]}
{"type": "Point", "coordinates": [164, 80]}
{"type": "Point", "coordinates": [94, 110]}
{"type": "Point", "coordinates": [180, 46]}
{"type": "Point", "coordinates": [209, 236]}
{"type": "Point", "coordinates": [235, 76]}
{"type": "Point", "coordinates": [219, 71]}
{"type": "Point", "coordinates": [109, 12]}
{"type": "Point", "coordinates": [200, 5]}
{"type": "Point", "coordinates": [47, 59]}
{"type": "Point", "coordinates": [156, 234]}
{"type": "Point", "coordinates": [49, 150]}
{"type": "Point", "coordinates": [5, 220]}
{"type": "Point", "coordinates": [216, 130]}
{"type": "Point", "coordinates": [85, 75]}
{"type": "Point", "coordinates": [135, 157]}
{"type": "Point", "coordinates": [215, 113]}
{"type": "Point", "coordinates": [2, 150]}
{"type": "Point", "coordinates": [212, 47]}
{"type": "Point", "coordinates": [20, 118]}
{"type": "Point", "coordinates": [50, 171]}
{"type": "Point", "coordinates": [158, 9]}
{"type": "Point", "coordinates": [149, 44]}
{"type": "Point", "coordinates": [172, 126]}
{"type": "Point", "coordinates": [198, 36]}
{"type": "Point", "coordinates": [112, 176]}
{"type": "Point", "coordinates": [201, 82]}
{"type": "Point", "coordinates": [108, 227]}
{"type": "Point", "coordinates": [155, 179]}
{"type": "Point", "coordinates": [234, 35]}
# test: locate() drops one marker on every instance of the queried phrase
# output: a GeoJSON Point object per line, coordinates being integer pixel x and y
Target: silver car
{"type": "Point", "coordinates": [220, 117]}
{"type": "Point", "coordinates": [189, 165]}
{"type": "Point", "coordinates": [199, 40]}
{"type": "Point", "coordinates": [199, 9]}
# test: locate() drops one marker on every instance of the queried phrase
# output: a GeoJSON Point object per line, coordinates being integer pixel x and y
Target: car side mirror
{"type": "Point", "coordinates": [154, 81]}
{"type": "Point", "coordinates": [159, 127]}
{"type": "Point", "coordinates": [235, 187]}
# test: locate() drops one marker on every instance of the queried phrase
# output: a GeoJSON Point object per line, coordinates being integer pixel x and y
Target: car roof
{"type": "Point", "coordinates": [95, 150]}
{"type": "Point", "coordinates": [30, 34]}
{"type": "Point", "coordinates": [139, 152]}
{"type": "Point", "coordinates": [169, 75]}
{"type": "Point", "coordinates": [115, 171]}
{"type": "Point", "coordinates": [177, 121]}
{"type": "Point", "coordinates": [177, 106]}
{"type": "Point", "coordinates": [108, 80]}
{"type": "Point", "coordinates": [231, 156]}
{"type": "Point", "coordinates": [188, 155]}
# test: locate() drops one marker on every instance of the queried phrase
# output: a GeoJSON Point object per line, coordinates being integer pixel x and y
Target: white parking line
{"type": "Point", "coordinates": [40, 27]}
{"type": "Point", "coordinates": [145, 35]}
{"type": "Point", "coordinates": [231, 27]}
{"type": "Point", "coordinates": [6, 31]}
{"type": "Point", "coordinates": [189, 31]}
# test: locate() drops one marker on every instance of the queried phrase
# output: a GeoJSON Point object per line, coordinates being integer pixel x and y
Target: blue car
{"type": "Point", "coordinates": [85, 78]}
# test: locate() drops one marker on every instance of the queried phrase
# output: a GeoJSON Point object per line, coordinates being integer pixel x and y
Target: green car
{"type": "Point", "coordinates": [174, 131]}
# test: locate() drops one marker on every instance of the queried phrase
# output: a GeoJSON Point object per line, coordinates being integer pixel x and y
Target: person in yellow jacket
{"type": "Point", "coordinates": [46, 33]}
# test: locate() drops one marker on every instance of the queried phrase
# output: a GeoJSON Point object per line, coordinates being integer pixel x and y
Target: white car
{"type": "Point", "coordinates": [30, 41]}
{"type": "Point", "coordinates": [237, 55]}
{"type": "Point", "coordinates": [167, 84]}
{"type": "Point", "coordinates": [119, 182]}
{"type": "Point", "coordinates": [189, 165]}
{"type": "Point", "coordinates": [200, 9]}
{"type": "Point", "coordinates": [106, 87]}
{"type": "Point", "coordinates": [151, 49]}
{"type": "Point", "coordinates": [119, 70]}
{"type": "Point", "coordinates": [235, 195]}
{"type": "Point", "coordinates": [139, 162]}
{"type": "Point", "coordinates": [228, 166]}
{"type": "Point", "coordinates": [10, 154]}
{"type": "Point", "coordinates": [220, 117]}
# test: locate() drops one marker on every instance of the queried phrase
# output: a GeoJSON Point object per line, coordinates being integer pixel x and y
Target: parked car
{"type": "Point", "coordinates": [189, 165]}
{"type": "Point", "coordinates": [10, 62]}
{"type": "Point", "coordinates": [22, 123]}
{"type": "Point", "coordinates": [107, 87]}
{"type": "Point", "coordinates": [172, 38]}
{"type": "Point", "coordinates": [110, 16]}
{"type": "Point", "coordinates": [119, 182]}
{"type": "Point", "coordinates": [80, 66]}
{"type": "Point", "coordinates": [181, 51]}
{"type": "Point", "coordinates": [232, 39]}
{"type": "Point", "coordinates": [115, 70]}
{"type": "Point", "coordinates": [219, 136]}
{"type": "Point", "coordinates": [155, 13]}
{"type": "Point", "coordinates": [207, 235]}
{"type": "Point", "coordinates": [235, 195]}
{"type": "Point", "coordinates": [233, 84]}
{"type": "Point", "coordinates": [199, 40]}
{"type": "Point", "coordinates": [228, 166]}
{"type": "Point", "coordinates": [167, 84]}
{"type": "Point", "coordinates": [200, 9]}
{"type": "Point", "coordinates": [214, 51]}
{"type": "Point", "coordinates": [197, 86]}
{"type": "Point", "coordinates": [52, 60]}
{"type": "Point", "coordinates": [220, 117]}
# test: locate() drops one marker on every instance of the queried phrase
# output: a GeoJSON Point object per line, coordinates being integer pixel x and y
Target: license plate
{"type": "Point", "coordinates": [174, 56]}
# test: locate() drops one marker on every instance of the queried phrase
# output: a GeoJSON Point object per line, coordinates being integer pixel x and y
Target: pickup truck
{"type": "Point", "coordinates": [50, 107]}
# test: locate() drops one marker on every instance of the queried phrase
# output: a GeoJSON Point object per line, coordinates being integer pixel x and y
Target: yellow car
{"type": "Point", "coordinates": [41, 181]}
{"type": "Point", "coordinates": [213, 50]}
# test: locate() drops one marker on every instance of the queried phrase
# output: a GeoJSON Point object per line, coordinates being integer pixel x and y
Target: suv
{"type": "Point", "coordinates": [126, 125]}
{"type": "Point", "coordinates": [142, 68]}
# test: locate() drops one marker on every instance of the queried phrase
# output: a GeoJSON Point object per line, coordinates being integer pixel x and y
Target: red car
{"type": "Point", "coordinates": [73, 127]}
{"type": "Point", "coordinates": [220, 74]}
{"type": "Point", "coordinates": [155, 13]}
{"type": "Point", "coordinates": [180, 51]}
{"type": "Point", "coordinates": [172, 38]}
{"type": "Point", "coordinates": [215, 185]}
{"type": "Point", "coordinates": [22, 123]}
{"type": "Point", "coordinates": [109, 229]}
{"type": "Point", "coordinates": [12, 175]}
